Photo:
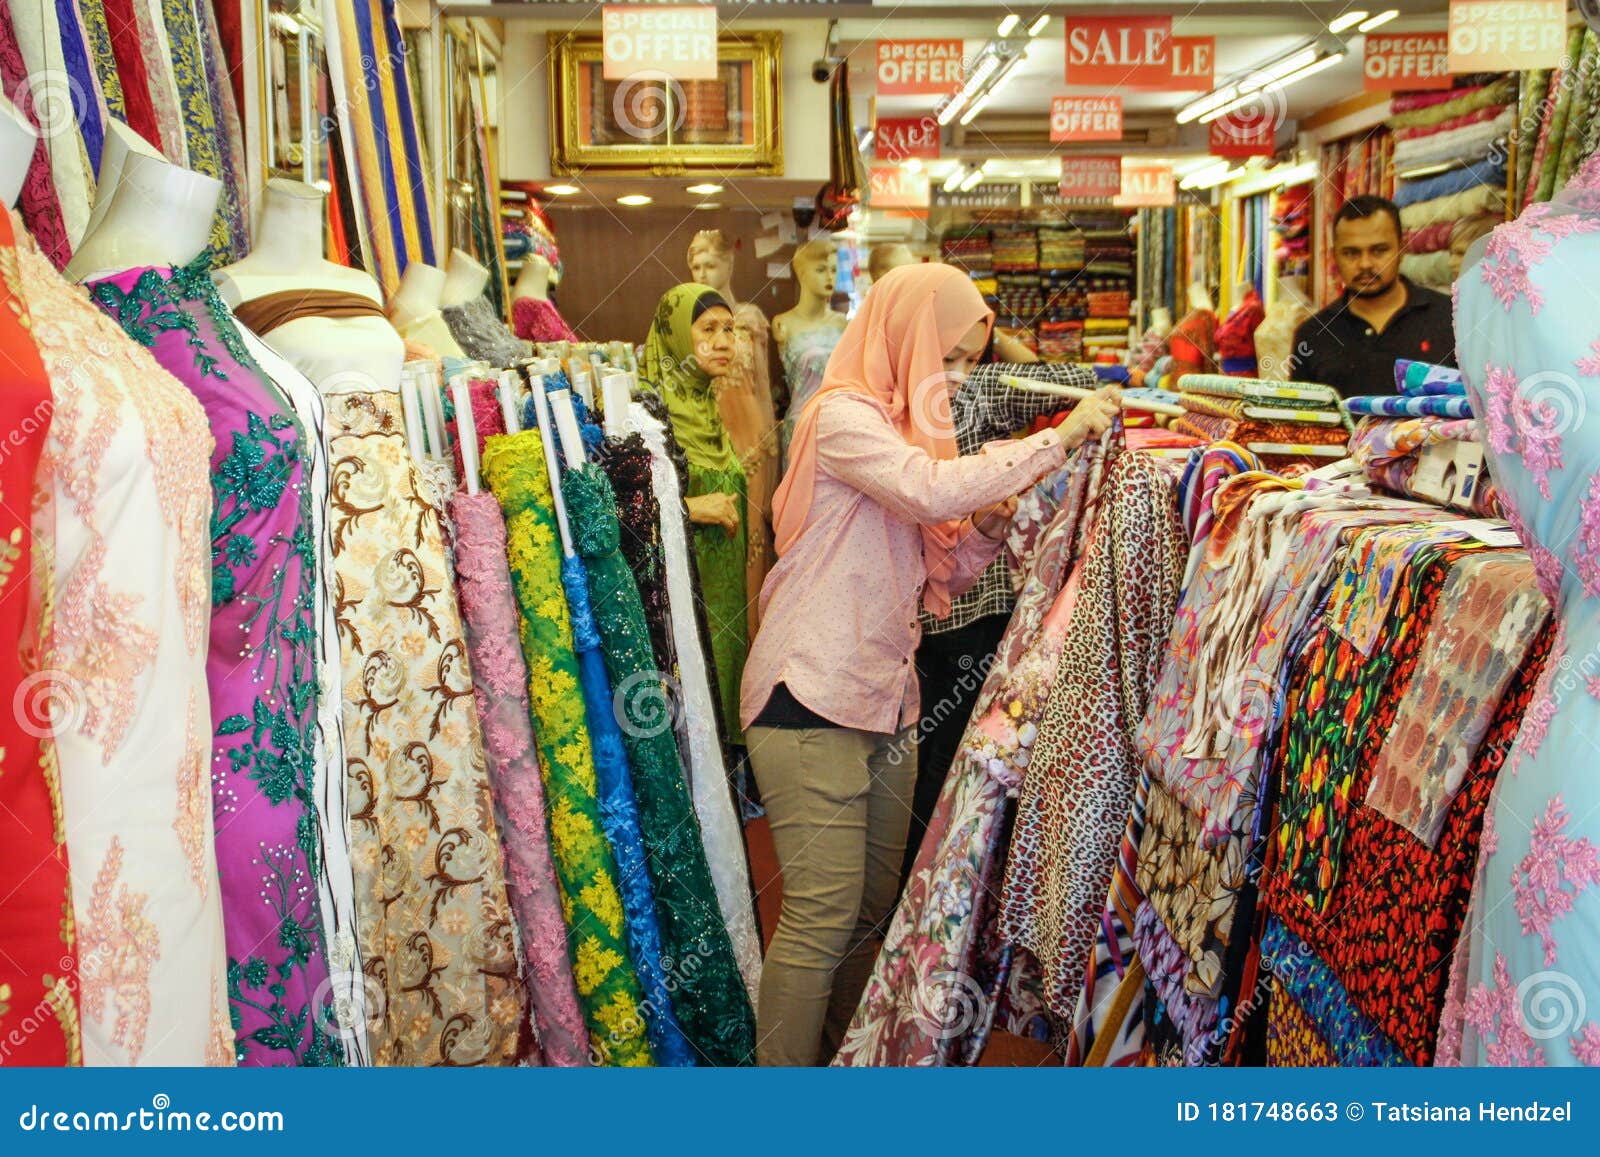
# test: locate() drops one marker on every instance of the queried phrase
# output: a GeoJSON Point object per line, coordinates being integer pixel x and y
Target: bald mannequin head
{"type": "Point", "coordinates": [886, 257]}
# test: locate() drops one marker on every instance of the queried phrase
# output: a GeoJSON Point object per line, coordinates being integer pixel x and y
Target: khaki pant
{"type": "Point", "coordinates": [839, 802]}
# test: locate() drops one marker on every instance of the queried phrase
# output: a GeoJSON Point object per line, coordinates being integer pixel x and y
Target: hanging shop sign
{"type": "Point", "coordinates": [1194, 63]}
{"type": "Point", "coordinates": [895, 188]}
{"type": "Point", "coordinates": [985, 196]}
{"type": "Point", "coordinates": [1146, 186]}
{"type": "Point", "coordinates": [1239, 135]}
{"type": "Point", "coordinates": [902, 138]}
{"type": "Point", "coordinates": [1406, 60]}
{"type": "Point", "coordinates": [1119, 51]}
{"type": "Point", "coordinates": [677, 42]}
{"type": "Point", "coordinates": [1505, 35]}
{"type": "Point", "coordinates": [1085, 118]}
{"type": "Point", "coordinates": [919, 67]}
{"type": "Point", "coordinates": [1099, 178]}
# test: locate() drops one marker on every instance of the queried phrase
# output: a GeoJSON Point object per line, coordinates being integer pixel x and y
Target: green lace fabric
{"type": "Point", "coordinates": [720, 561]}
{"type": "Point", "coordinates": [709, 997]}
{"type": "Point", "coordinates": [591, 901]}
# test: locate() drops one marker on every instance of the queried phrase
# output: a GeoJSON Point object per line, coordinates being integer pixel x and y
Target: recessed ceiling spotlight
{"type": "Point", "coordinates": [562, 190]}
{"type": "Point", "coordinates": [634, 199]}
{"type": "Point", "coordinates": [705, 189]}
{"type": "Point", "coordinates": [709, 205]}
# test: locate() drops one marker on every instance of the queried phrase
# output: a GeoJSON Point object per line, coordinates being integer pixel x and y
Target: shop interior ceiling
{"type": "Point", "coordinates": [1011, 134]}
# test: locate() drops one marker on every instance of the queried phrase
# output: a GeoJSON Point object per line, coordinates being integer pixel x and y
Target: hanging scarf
{"type": "Point", "coordinates": [892, 353]}
{"type": "Point", "coordinates": [672, 370]}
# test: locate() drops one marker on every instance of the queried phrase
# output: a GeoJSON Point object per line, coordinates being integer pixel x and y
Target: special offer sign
{"type": "Point", "coordinates": [1099, 178]}
{"type": "Point", "coordinates": [919, 67]}
{"type": "Point", "coordinates": [901, 138]}
{"type": "Point", "coordinates": [676, 42]}
{"type": "Point", "coordinates": [1406, 60]}
{"type": "Point", "coordinates": [1505, 36]}
{"type": "Point", "coordinates": [1085, 118]}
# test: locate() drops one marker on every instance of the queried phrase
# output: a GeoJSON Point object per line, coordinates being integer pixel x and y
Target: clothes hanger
{"type": "Point", "coordinates": [1028, 385]}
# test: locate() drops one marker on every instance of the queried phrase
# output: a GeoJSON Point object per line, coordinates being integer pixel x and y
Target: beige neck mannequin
{"type": "Point", "coordinates": [711, 264]}
{"type": "Point", "coordinates": [17, 142]}
{"type": "Point", "coordinates": [121, 143]}
{"type": "Point", "coordinates": [464, 280]}
{"type": "Point", "coordinates": [816, 269]}
{"type": "Point", "coordinates": [534, 279]}
{"type": "Point", "coordinates": [1200, 297]}
{"type": "Point", "coordinates": [1161, 321]}
{"type": "Point", "coordinates": [157, 214]}
{"type": "Point", "coordinates": [417, 295]}
{"type": "Point", "coordinates": [288, 251]}
{"type": "Point", "coordinates": [887, 257]}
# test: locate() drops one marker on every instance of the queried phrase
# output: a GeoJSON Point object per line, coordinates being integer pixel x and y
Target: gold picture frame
{"type": "Point", "coordinates": [667, 128]}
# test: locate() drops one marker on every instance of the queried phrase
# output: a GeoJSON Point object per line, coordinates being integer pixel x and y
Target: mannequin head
{"type": "Point", "coordinates": [17, 142]}
{"type": "Point", "coordinates": [417, 295]}
{"type": "Point", "coordinates": [465, 279]}
{"type": "Point", "coordinates": [1200, 296]}
{"type": "Point", "coordinates": [886, 257]}
{"type": "Point", "coordinates": [816, 268]}
{"type": "Point", "coordinates": [534, 279]}
{"type": "Point", "coordinates": [1161, 320]}
{"type": "Point", "coordinates": [711, 260]}
{"type": "Point", "coordinates": [158, 214]}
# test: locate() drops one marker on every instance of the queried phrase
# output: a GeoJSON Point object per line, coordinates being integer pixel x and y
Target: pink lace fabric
{"type": "Point", "coordinates": [501, 689]}
{"type": "Point", "coordinates": [535, 320]}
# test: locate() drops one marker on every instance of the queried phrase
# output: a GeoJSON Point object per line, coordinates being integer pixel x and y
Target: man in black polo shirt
{"type": "Point", "coordinates": [1352, 344]}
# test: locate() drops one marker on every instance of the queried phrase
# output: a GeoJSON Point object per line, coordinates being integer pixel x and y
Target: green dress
{"type": "Point", "coordinates": [591, 901]}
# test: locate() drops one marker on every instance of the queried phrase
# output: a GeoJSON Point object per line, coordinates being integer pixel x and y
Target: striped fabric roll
{"type": "Point", "coordinates": [1417, 379]}
{"type": "Point", "coordinates": [1305, 395]}
{"type": "Point", "coordinates": [366, 56]}
{"type": "Point", "coordinates": [1393, 406]}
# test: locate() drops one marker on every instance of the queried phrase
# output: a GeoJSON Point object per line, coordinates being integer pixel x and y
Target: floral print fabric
{"type": "Point", "coordinates": [500, 686]}
{"type": "Point", "coordinates": [126, 663]}
{"type": "Point", "coordinates": [437, 942]}
{"type": "Point", "coordinates": [263, 626]}
{"type": "Point", "coordinates": [608, 987]}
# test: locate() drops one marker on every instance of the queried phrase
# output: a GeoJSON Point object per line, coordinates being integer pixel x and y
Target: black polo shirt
{"type": "Point", "coordinates": [1339, 349]}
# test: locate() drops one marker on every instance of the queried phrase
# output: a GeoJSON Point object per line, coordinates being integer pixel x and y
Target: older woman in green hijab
{"type": "Point", "coordinates": [691, 342]}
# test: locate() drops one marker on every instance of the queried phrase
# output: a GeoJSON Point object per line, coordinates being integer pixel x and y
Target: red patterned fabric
{"type": "Point", "coordinates": [40, 209]}
{"type": "Point", "coordinates": [131, 73]}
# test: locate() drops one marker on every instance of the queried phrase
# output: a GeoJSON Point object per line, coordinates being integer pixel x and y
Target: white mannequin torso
{"type": "Point", "coordinates": [17, 143]}
{"type": "Point", "coordinates": [121, 143]}
{"type": "Point", "coordinates": [414, 310]}
{"type": "Point", "coordinates": [464, 280]}
{"type": "Point", "coordinates": [534, 280]}
{"type": "Point", "coordinates": [157, 214]}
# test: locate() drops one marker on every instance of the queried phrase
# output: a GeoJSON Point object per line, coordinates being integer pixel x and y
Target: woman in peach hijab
{"type": "Point", "coordinates": [875, 513]}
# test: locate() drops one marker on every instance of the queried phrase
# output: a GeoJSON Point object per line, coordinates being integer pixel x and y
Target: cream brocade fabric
{"type": "Point", "coordinates": [124, 494]}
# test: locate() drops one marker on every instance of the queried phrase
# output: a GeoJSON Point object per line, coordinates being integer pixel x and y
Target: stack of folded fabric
{"type": "Point", "coordinates": [1061, 341]}
{"type": "Point", "coordinates": [1390, 450]}
{"type": "Point", "coordinates": [1424, 391]}
{"type": "Point", "coordinates": [1105, 336]}
{"type": "Point", "coordinates": [969, 251]}
{"type": "Point", "coordinates": [1110, 302]}
{"type": "Point", "coordinates": [1015, 250]}
{"type": "Point", "coordinates": [1061, 249]}
{"type": "Point", "coordinates": [1270, 418]}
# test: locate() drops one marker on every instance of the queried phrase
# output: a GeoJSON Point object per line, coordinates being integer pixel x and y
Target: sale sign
{"type": "Point", "coordinates": [1505, 35]}
{"type": "Point", "coordinates": [919, 67]}
{"type": "Point", "coordinates": [1085, 118]}
{"type": "Point", "coordinates": [1236, 136]}
{"type": "Point", "coordinates": [676, 42]}
{"type": "Point", "coordinates": [1119, 51]}
{"type": "Point", "coordinates": [892, 187]}
{"type": "Point", "coordinates": [1406, 60]}
{"type": "Point", "coordinates": [1146, 186]}
{"type": "Point", "coordinates": [1194, 63]}
{"type": "Point", "coordinates": [901, 138]}
{"type": "Point", "coordinates": [1099, 178]}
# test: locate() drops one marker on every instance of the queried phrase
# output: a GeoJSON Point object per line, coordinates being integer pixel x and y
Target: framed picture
{"type": "Point", "coordinates": [666, 127]}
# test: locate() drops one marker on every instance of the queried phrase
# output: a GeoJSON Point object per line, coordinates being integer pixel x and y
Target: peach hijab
{"type": "Point", "coordinates": [892, 353]}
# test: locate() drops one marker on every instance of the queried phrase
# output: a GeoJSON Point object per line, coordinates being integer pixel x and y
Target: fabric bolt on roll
{"type": "Point", "coordinates": [436, 927]}
{"type": "Point", "coordinates": [263, 624]}
{"type": "Point", "coordinates": [1489, 172]}
{"type": "Point", "coordinates": [709, 999]}
{"type": "Point", "coordinates": [1460, 102]}
{"type": "Point", "coordinates": [1402, 406]}
{"type": "Point", "coordinates": [1468, 143]}
{"type": "Point", "coordinates": [1415, 379]}
{"type": "Point", "coordinates": [500, 686]}
{"type": "Point", "coordinates": [608, 985]}
{"type": "Point", "coordinates": [1453, 207]}
{"type": "Point", "coordinates": [1432, 270]}
{"type": "Point", "coordinates": [483, 334]}
{"type": "Point", "coordinates": [124, 504]}
{"type": "Point", "coordinates": [539, 321]}
{"type": "Point", "coordinates": [488, 419]}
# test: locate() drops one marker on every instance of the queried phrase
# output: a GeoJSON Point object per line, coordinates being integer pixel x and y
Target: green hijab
{"type": "Point", "coordinates": [670, 368]}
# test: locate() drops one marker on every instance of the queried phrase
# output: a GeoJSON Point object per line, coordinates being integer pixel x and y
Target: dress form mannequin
{"type": "Point", "coordinates": [334, 352]}
{"type": "Point", "coordinates": [1200, 297]}
{"type": "Point", "coordinates": [744, 399]}
{"type": "Point", "coordinates": [534, 279]}
{"type": "Point", "coordinates": [464, 280]}
{"type": "Point", "coordinates": [1161, 320]}
{"type": "Point", "coordinates": [414, 309]}
{"type": "Point", "coordinates": [156, 214]}
{"type": "Point", "coordinates": [806, 334]}
{"type": "Point", "coordinates": [17, 142]}
{"type": "Point", "coordinates": [121, 141]}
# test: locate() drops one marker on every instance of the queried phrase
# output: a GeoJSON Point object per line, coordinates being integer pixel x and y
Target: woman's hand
{"type": "Point", "coordinates": [994, 521]}
{"type": "Point", "coordinates": [1091, 417]}
{"type": "Point", "coordinates": [715, 510]}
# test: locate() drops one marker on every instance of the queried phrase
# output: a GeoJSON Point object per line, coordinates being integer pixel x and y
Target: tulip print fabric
{"type": "Point", "coordinates": [437, 942]}
{"type": "Point", "coordinates": [608, 986]}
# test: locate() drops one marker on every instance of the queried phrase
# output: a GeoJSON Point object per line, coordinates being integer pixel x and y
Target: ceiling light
{"type": "Point", "coordinates": [973, 179]}
{"type": "Point", "coordinates": [709, 205]}
{"type": "Point", "coordinates": [1205, 104]}
{"type": "Point", "coordinates": [1292, 63]}
{"type": "Point", "coordinates": [1322, 53]}
{"type": "Point", "coordinates": [1379, 20]}
{"type": "Point", "coordinates": [1211, 176]}
{"type": "Point", "coordinates": [562, 190]}
{"type": "Point", "coordinates": [914, 165]}
{"type": "Point", "coordinates": [1038, 25]}
{"type": "Point", "coordinates": [1009, 22]}
{"type": "Point", "coordinates": [1348, 20]}
{"type": "Point", "coordinates": [954, 179]}
{"type": "Point", "coordinates": [634, 199]}
{"type": "Point", "coordinates": [985, 69]}
{"type": "Point", "coordinates": [1311, 69]}
{"type": "Point", "coordinates": [704, 190]}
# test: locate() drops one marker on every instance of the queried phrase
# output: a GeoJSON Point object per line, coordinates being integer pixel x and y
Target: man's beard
{"type": "Point", "coordinates": [1371, 289]}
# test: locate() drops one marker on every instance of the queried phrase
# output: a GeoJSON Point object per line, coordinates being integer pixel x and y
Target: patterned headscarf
{"type": "Point", "coordinates": [670, 368]}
